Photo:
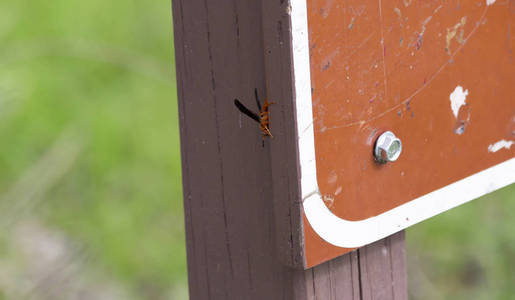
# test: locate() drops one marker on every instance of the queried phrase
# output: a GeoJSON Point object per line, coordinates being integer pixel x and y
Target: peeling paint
{"type": "Point", "coordinates": [351, 23]}
{"type": "Point", "coordinates": [327, 8]}
{"type": "Point", "coordinates": [332, 177]}
{"type": "Point", "coordinates": [458, 98]}
{"type": "Point", "coordinates": [326, 63]}
{"type": "Point", "coordinates": [460, 129]}
{"type": "Point", "coordinates": [462, 122]}
{"type": "Point", "coordinates": [328, 200]}
{"type": "Point", "coordinates": [398, 12]}
{"type": "Point", "coordinates": [338, 191]}
{"type": "Point", "coordinates": [455, 32]}
{"type": "Point", "coordinates": [490, 2]}
{"type": "Point", "coordinates": [502, 144]}
{"type": "Point", "coordinates": [420, 35]}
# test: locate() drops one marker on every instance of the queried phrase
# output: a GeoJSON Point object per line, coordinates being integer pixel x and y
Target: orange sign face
{"type": "Point", "coordinates": [440, 75]}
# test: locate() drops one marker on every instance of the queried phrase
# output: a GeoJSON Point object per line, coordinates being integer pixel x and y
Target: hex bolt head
{"type": "Point", "coordinates": [388, 147]}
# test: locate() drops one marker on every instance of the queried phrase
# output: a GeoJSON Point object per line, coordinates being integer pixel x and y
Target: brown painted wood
{"type": "Point", "coordinates": [284, 163]}
{"type": "Point", "coordinates": [241, 199]}
{"type": "Point", "coordinates": [382, 268]}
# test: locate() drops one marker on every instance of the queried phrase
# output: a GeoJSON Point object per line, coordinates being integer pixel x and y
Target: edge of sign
{"type": "Point", "coordinates": [304, 107]}
{"type": "Point", "coordinates": [352, 234]}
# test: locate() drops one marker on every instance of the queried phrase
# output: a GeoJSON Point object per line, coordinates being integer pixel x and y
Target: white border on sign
{"type": "Point", "coordinates": [351, 234]}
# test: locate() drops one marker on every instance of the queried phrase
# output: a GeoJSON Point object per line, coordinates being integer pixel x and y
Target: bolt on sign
{"type": "Point", "coordinates": [405, 109]}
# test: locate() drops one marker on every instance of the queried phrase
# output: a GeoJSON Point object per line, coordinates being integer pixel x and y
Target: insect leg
{"type": "Point", "coordinates": [257, 99]}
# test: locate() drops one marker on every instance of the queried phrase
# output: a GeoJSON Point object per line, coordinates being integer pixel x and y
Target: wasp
{"type": "Point", "coordinates": [262, 118]}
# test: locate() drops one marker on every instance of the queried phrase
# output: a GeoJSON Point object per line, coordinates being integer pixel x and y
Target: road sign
{"type": "Point", "coordinates": [439, 75]}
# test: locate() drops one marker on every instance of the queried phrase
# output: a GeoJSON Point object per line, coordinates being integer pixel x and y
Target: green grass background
{"type": "Point", "coordinates": [89, 148]}
{"type": "Point", "coordinates": [99, 76]}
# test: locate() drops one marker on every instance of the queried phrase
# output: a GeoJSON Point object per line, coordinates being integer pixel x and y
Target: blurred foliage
{"type": "Point", "coordinates": [97, 76]}
{"type": "Point", "coordinates": [465, 253]}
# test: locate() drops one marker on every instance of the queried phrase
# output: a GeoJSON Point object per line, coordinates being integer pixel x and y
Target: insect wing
{"type": "Point", "coordinates": [246, 111]}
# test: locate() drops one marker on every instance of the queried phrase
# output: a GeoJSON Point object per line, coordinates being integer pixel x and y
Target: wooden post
{"type": "Point", "coordinates": [236, 191]}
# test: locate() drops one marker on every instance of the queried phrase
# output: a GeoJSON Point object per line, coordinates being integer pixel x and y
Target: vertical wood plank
{"type": "Point", "coordinates": [336, 279]}
{"type": "Point", "coordinates": [383, 269]}
{"type": "Point", "coordinates": [284, 162]}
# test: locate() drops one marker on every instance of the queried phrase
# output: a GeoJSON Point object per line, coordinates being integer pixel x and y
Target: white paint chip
{"type": "Point", "coordinates": [458, 98]}
{"type": "Point", "coordinates": [502, 144]}
{"type": "Point", "coordinates": [490, 2]}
